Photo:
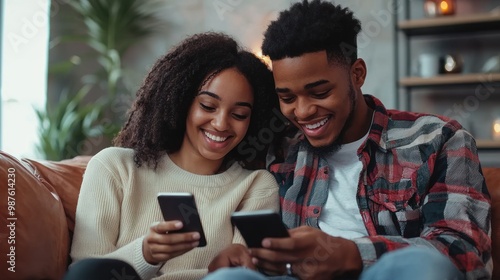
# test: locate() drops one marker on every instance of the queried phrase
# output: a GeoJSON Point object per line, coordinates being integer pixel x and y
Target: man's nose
{"type": "Point", "coordinates": [304, 109]}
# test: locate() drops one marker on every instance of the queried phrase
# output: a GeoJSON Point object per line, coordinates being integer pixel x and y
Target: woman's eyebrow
{"type": "Point", "coordinates": [211, 94]}
{"type": "Point", "coordinates": [246, 104]}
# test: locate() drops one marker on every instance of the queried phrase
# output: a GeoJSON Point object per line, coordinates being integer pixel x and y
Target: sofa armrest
{"type": "Point", "coordinates": [36, 243]}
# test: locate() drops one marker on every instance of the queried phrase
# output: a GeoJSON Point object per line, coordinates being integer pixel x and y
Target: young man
{"type": "Point", "coordinates": [366, 191]}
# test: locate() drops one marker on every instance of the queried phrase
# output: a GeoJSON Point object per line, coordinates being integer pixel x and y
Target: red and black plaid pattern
{"type": "Point", "coordinates": [421, 184]}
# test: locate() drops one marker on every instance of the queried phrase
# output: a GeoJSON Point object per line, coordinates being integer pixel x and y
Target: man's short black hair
{"type": "Point", "coordinates": [311, 27]}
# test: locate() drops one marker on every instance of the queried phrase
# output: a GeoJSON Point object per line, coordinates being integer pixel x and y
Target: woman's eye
{"type": "Point", "coordinates": [206, 107]}
{"type": "Point", "coordinates": [286, 99]}
{"type": "Point", "coordinates": [240, 117]}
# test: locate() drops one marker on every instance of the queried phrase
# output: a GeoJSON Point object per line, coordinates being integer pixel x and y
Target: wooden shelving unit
{"type": "Point", "coordinates": [451, 24]}
{"type": "Point", "coordinates": [438, 27]}
{"type": "Point", "coordinates": [450, 80]}
{"type": "Point", "coordinates": [487, 144]}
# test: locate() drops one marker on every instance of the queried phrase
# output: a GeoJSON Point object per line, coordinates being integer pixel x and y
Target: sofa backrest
{"type": "Point", "coordinates": [65, 177]}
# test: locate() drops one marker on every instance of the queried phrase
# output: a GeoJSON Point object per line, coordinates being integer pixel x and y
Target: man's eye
{"type": "Point", "coordinates": [207, 108]}
{"type": "Point", "coordinates": [321, 94]}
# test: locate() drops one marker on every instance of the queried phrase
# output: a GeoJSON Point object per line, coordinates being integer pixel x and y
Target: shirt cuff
{"type": "Point", "coordinates": [366, 250]}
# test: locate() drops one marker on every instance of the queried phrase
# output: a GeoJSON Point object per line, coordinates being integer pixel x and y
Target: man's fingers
{"type": "Point", "coordinates": [278, 243]}
{"type": "Point", "coordinates": [247, 262]}
{"type": "Point", "coordinates": [272, 256]}
{"type": "Point", "coordinates": [270, 267]}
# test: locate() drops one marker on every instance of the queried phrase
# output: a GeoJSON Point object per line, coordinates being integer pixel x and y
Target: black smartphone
{"type": "Point", "coordinates": [257, 225]}
{"type": "Point", "coordinates": [181, 206]}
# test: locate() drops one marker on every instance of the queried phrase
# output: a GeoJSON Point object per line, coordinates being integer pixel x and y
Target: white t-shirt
{"type": "Point", "coordinates": [340, 216]}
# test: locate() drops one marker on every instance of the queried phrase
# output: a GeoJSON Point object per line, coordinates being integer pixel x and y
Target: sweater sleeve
{"type": "Point", "coordinates": [263, 194]}
{"type": "Point", "coordinates": [455, 212]}
{"type": "Point", "coordinates": [97, 222]}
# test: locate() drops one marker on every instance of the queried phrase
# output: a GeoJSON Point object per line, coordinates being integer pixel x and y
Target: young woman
{"type": "Point", "coordinates": [197, 104]}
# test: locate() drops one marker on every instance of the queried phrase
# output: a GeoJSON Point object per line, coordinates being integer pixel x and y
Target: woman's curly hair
{"type": "Point", "coordinates": [311, 27]}
{"type": "Point", "coordinates": [157, 118]}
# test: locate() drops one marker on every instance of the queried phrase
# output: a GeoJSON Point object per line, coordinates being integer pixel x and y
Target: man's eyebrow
{"type": "Point", "coordinates": [315, 84]}
{"type": "Point", "coordinates": [211, 94]}
{"type": "Point", "coordinates": [282, 90]}
{"type": "Point", "coordinates": [307, 86]}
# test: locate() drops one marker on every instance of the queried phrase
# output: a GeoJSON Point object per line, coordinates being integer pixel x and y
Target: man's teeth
{"type": "Point", "coordinates": [316, 125]}
{"type": "Point", "coordinates": [215, 138]}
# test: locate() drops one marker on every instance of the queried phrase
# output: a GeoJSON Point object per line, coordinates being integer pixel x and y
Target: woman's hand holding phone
{"type": "Point", "coordinates": [159, 245]}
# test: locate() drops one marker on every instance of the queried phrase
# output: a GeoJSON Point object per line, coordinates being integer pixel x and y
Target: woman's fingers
{"type": "Point", "coordinates": [166, 226]}
{"type": "Point", "coordinates": [163, 242]}
{"type": "Point", "coordinates": [157, 248]}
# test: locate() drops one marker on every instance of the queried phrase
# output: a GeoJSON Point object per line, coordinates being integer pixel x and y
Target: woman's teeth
{"type": "Point", "coordinates": [215, 138]}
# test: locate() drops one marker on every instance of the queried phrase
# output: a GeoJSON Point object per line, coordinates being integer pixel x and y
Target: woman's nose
{"type": "Point", "coordinates": [220, 122]}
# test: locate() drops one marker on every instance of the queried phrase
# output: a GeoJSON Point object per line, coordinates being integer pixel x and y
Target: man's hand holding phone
{"type": "Point", "coordinates": [254, 226]}
{"type": "Point", "coordinates": [310, 253]}
{"type": "Point", "coordinates": [162, 243]}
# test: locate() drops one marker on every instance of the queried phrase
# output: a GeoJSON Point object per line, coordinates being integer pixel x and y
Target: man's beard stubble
{"type": "Point", "coordinates": [333, 147]}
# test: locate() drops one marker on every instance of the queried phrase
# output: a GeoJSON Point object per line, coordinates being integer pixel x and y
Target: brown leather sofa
{"type": "Point", "coordinates": [41, 217]}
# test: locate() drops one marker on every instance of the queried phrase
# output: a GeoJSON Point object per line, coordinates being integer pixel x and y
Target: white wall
{"type": "Point", "coordinates": [247, 21]}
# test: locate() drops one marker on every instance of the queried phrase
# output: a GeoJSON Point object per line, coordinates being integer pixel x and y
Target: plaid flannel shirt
{"type": "Point", "coordinates": [421, 184]}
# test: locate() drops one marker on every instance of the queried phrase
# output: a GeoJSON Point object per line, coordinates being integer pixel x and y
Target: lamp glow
{"type": "Point", "coordinates": [446, 7]}
{"type": "Point", "coordinates": [264, 58]}
{"type": "Point", "coordinates": [496, 129]}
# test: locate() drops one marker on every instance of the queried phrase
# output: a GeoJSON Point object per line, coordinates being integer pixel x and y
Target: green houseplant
{"type": "Point", "coordinates": [111, 27]}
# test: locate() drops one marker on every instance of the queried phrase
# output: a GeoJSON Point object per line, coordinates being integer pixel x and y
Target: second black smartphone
{"type": "Point", "coordinates": [182, 207]}
{"type": "Point", "coordinates": [257, 225]}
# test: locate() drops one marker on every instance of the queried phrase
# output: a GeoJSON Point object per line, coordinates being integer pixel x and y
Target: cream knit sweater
{"type": "Point", "coordinates": [118, 203]}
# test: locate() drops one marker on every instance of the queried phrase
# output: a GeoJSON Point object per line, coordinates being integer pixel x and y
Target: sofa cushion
{"type": "Point", "coordinates": [66, 178]}
{"type": "Point", "coordinates": [38, 238]}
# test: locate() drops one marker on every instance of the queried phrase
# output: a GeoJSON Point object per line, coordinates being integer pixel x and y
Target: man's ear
{"type": "Point", "coordinates": [358, 72]}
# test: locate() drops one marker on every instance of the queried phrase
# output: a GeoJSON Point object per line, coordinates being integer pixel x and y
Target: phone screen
{"type": "Point", "coordinates": [182, 206]}
{"type": "Point", "coordinates": [257, 225]}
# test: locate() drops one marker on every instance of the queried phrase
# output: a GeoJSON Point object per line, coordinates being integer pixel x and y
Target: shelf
{"type": "Point", "coordinates": [451, 24]}
{"type": "Point", "coordinates": [488, 144]}
{"type": "Point", "coordinates": [451, 80]}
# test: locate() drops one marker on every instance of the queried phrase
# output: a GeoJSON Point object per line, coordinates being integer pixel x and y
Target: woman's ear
{"type": "Point", "coordinates": [358, 72]}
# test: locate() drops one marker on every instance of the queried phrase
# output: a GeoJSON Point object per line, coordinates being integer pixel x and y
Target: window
{"type": "Point", "coordinates": [24, 50]}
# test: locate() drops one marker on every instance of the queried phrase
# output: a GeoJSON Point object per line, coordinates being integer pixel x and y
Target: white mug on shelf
{"type": "Point", "coordinates": [428, 65]}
